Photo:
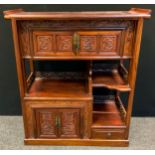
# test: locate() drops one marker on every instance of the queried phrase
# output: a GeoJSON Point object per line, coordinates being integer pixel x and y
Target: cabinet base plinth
{"type": "Point", "coordinates": [77, 142]}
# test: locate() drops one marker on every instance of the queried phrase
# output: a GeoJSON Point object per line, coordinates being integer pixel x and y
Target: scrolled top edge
{"type": "Point", "coordinates": [10, 12]}
{"type": "Point", "coordinates": [146, 12]}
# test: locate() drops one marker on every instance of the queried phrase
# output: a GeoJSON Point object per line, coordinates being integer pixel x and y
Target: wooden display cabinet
{"type": "Point", "coordinates": [77, 99]}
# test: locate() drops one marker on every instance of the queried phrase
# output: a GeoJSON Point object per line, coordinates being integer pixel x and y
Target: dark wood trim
{"type": "Point", "coordinates": [133, 13]}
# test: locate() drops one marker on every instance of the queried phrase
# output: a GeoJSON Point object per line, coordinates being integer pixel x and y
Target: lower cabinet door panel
{"type": "Point", "coordinates": [45, 123]}
{"type": "Point", "coordinates": [70, 123]}
{"type": "Point", "coordinates": [108, 133]}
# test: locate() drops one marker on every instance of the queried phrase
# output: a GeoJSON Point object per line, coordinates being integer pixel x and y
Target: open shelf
{"type": "Point", "coordinates": [108, 106]}
{"type": "Point", "coordinates": [110, 80]}
{"type": "Point", "coordinates": [111, 76]}
{"type": "Point", "coordinates": [108, 113]}
{"type": "Point", "coordinates": [107, 120]}
{"type": "Point", "coordinates": [46, 85]}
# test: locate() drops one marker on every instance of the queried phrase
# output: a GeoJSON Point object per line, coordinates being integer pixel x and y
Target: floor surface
{"type": "Point", "coordinates": [142, 135]}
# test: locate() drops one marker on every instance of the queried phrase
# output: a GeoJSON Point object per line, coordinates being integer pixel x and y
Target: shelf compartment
{"type": "Point", "coordinates": [110, 76]}
{"type": "Point", "coordinates": [108, 113]}
{"type": "Point", "coordinates": [108, 107]}
{"type": "Point", "coordinates": [45, 86]}
{"type": "Point", "coordinates": [107, 120]}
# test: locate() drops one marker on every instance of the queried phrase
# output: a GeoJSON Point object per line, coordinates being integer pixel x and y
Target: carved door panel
{"type": "Point", "coordinates": [63, 42]}
{"type": "Point", "coordinates": [88, 43]}
{"type": "Point", "coordinates": [70, 123]}
{"type": "Point", "coordinates": [45, 122]}
{"type": "Point", "coordinates": [43, 43]}
{"type": "Point", "coordinates": [100, 43]}
{"type": "Point", "coordinates": [52, 43]}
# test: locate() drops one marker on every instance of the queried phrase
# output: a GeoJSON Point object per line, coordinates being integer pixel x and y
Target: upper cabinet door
{"type": "Point", "coordinates": [97, 43]}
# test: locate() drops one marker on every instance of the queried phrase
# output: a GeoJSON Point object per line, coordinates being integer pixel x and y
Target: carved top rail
{"type": "Point", "coordinates": [133, 13]}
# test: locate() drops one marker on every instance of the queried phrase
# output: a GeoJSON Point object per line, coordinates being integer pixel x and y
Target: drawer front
{"type": "Point", "coordinates": [71, 39]}
{"type": "Point", "coordinates": [57, 119]}
{"type": "Point", "coordinates": [108, 133]}
{"type": "Point", "coordinates": [77, 43]}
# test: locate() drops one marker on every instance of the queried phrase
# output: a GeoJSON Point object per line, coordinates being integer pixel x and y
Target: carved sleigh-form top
{"type": "Point", "coordinates": [133, 13]}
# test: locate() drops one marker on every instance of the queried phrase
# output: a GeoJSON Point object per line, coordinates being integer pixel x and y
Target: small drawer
{"type": "Point", "coordinates": [108, 133]}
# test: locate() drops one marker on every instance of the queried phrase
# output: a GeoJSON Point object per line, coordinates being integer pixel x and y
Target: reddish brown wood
{"type": "Point", "coordinates": [141, 11]}
{"type": "Point", "coordinates": [112, 80]}
{"type": "Point", "coordinates": [9, 12]}
{"type": "Point", "coordinates": [57, 88]}
{"type": "Point", "coordinates": [108, 133]}
{"type": "Point", "coordinates": [106, 114]}
{"type": "Point", "coordinates": [105, 119]}
{"type": "Point", "coordinates": [133, 70]}
{"type": "Point", "coordinates": [120, 40]}
{"type": "Point", "coordinates": [78, 110]}
{"type": "Point", "coordinates": [58, 123]}
{"type": "Point", "coordinates": [45, 123]}
{"type": "Point", "coordinates": [107, 106]}
{"type": "Point", "coordinates": [136, 13]}
{"type": "Point", "coordinates": [78, 142]}
{"type": "Point", "coordinates": [70, 123]}
{"type": "Point", "coordinates": [63, 108]}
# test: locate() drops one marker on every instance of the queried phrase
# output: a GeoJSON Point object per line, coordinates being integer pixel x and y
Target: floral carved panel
{"type": "Point", "coordinates": [88, 43]}
{"type": "Point", "coordinates": [108, 43]}
{"type": "Point", "coordinates": [64, 43]}
{"type": "Point", "coordinates": [70, 123]}
{"type": "Point", "coordinates": [44, 43]}
{"type": "Point", "coordinates": [47, 124]}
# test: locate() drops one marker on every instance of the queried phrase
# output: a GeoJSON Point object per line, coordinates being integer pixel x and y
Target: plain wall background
{"type": "Point", "coordinates": [144, 100]}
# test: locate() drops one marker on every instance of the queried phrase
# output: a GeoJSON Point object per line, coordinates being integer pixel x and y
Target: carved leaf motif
{"type": "Point", "coordinates": [129, 41]}
{"type": "Point", "coordinates": [64, 43]}
{"type": "Point", "coordinates": [88, 43]}
{"type": "Point", "coordinates": [74, 24]}
{"type": "Point", "coordinates": [46, 123]}
{"type": "Point", "coordinates": [24, 40]}
{"type": "Point", "coordinates": [44, 43]}
{"type": "Point", "coordinates": [69, 123]}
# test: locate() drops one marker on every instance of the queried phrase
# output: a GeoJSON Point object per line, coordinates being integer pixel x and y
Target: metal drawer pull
{"type": "Point", "coordinates": [76, 43]}
{"type": "Point", "coordinates": [57, 122]}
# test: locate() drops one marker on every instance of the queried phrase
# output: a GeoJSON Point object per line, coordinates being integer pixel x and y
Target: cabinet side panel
{"type": "Point", "coordinates": [133, 69]}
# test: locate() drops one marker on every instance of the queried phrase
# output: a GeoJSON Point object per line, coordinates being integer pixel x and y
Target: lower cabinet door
{"type": "Point", "coordinates": [60, 119]}
{"type": "Point", "coordinates": [58, 123]}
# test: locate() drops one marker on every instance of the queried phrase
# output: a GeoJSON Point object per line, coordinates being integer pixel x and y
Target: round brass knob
{"type": "Point", "coordinates": [109, 134]}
